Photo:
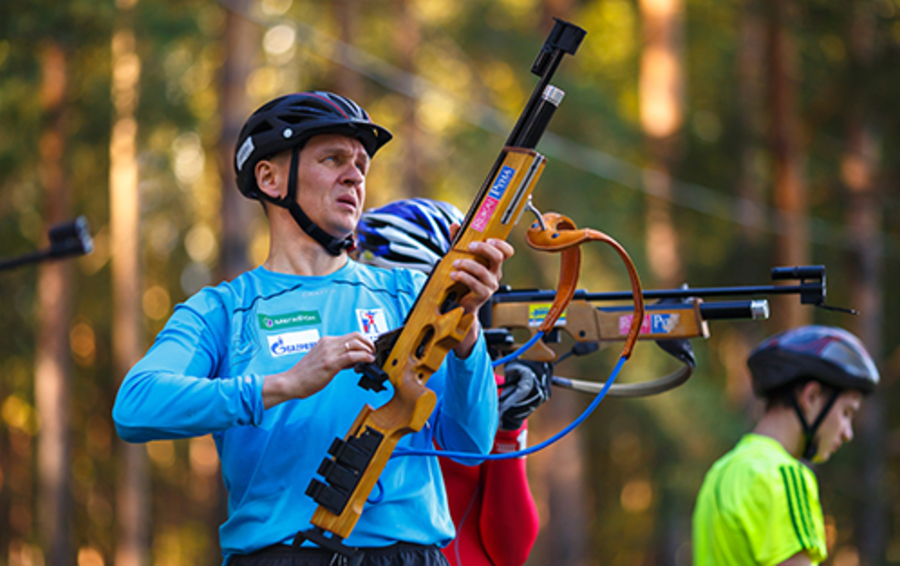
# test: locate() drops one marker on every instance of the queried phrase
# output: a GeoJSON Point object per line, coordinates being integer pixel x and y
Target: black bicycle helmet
{"type": "Point", "coordinates": [288, 122]}
{"type": "Point", "coordinates": [827, 354]}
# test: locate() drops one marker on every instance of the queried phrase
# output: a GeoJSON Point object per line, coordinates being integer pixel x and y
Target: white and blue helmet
{"type": "Point", "coordinates": [412, 233]}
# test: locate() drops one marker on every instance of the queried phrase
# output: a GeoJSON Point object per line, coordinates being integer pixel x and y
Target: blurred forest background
{"type": "Point", "coordinates": [714, 138]}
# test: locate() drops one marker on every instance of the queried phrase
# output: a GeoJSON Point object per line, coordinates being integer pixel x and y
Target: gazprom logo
{"type": "Point", "coordinates": [502, 182]}
{"type": "Point", "coordinates": [292, 342]}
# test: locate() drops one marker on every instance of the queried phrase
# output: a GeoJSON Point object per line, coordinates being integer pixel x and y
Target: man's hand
{"type": "Point", "coordinates": [317, 368]}
{"type": "Point", "coordinates": [482, 281]}
{"type": "Point", "coordinates": [527, 386]}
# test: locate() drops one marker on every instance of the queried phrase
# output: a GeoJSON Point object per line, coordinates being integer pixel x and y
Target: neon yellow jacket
{"type": "Point", "coordinates": [758, 506]}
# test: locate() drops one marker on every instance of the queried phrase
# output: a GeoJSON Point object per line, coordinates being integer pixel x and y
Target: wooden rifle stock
{"type": "Point", "coordinates": [409, 356]}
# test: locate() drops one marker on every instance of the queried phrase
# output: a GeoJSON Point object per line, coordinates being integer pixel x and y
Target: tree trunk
{"type": "Point", "coordinates": [860, 168]}
{"type": "Point", "coordinates": [789, 190]}
{"type": "Point", "coordinates": [748, 260]}
{"type": "Point", "coordinates": [661, 93]}
{"type": "Point", "coordinates": [54, 305]}
{"type": "Point", "coordinates": [240, 40]}
{"type": "Point", "coordinates": [132, 492]}
{"type": "Point", "coordinates": [241, 44]}
{"type": "Point", "coordinates": [558, 474]}
{"type": "Point", "coordinates": [406, 43]}
{"type": "Point", "coordinates": [347, 82]}
{"type": "Point", "coordinates": [749, 101]}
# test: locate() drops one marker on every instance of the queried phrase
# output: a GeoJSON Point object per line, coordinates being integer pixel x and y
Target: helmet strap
{"type": "Point", "coordinates": [809, 430]}
{"type": "Point", "coordinates": [332, 245]}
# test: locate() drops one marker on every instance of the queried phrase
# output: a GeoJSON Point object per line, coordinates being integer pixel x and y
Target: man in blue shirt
{"type": "Point", "coordinates": [264, 362]}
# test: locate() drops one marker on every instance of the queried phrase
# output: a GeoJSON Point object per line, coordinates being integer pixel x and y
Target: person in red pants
{"type": "Point", "coordinates": [491, 505]}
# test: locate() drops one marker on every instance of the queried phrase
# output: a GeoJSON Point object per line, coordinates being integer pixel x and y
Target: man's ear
{"type": "Point", "coordinates": [270, 178]}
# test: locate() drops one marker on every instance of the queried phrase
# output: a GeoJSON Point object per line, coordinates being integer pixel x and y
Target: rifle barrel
{"type": "Point", "coordinates": [755, 309]}
{"type": "Point", "coordinates": [24, 259]}
{"type": "Point", "coordinates": [699, 292]}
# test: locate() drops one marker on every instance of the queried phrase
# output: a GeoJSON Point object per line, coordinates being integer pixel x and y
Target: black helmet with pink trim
{"type": "Point", "coordinates": [827, 354]}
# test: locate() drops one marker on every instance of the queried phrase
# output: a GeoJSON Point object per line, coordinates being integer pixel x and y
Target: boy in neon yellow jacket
{"type": "Point", "coordinates": [759, 504]}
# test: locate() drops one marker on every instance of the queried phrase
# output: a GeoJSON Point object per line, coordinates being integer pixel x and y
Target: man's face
{"type": "Point", "coordinates": [837, 428]}
{"type": "Point", "coordinates": [331, 182]}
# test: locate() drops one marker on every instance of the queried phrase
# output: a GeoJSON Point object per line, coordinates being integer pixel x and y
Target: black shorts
{"type": "Point", "coordinates": [400, 554]}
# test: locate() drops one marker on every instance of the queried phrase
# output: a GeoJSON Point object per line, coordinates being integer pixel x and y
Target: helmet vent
{"type": "Point", "coordinates": [269, 105]}
{"type": "Point", "coordinates": [260, 128]}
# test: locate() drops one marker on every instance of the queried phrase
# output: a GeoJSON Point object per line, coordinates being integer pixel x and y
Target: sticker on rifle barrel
{"type": "Point", "coordinates": [652, 323]}
{"type": "Point", "coordinates": [489, 205]}
{"type": "Point", "coordinates": [537, 312]}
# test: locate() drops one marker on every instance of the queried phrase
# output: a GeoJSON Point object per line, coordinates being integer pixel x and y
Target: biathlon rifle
{"type": "Point", "coordinates": [408, 356]}
{"type": "Point", "coordinates": [680, 315]}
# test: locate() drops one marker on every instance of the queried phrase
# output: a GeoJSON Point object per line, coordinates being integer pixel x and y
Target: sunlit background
{"type": "Point", "coordinates": [714, 139]}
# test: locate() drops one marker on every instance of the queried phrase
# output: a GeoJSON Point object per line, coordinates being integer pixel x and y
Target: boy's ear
{"type": "Point", "coordinates": [810, 395]}
{"type": "Point", "coordinates": [269, 174]}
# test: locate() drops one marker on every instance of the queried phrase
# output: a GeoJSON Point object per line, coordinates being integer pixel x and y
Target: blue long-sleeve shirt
{"type": "Point", "coordinates": [204, 374]}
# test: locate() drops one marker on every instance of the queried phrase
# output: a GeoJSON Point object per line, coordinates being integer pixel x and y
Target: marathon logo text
{"type": "Point", "coordinates": [293, 342]}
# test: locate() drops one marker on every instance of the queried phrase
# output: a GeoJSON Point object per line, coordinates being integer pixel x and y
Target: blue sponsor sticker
{"type": "Point", "coordinates": [664, 323]}
{"type": "Point", "coordinates": [502, 182]}
{"type": "Point", "coordinates": [492, 199]}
